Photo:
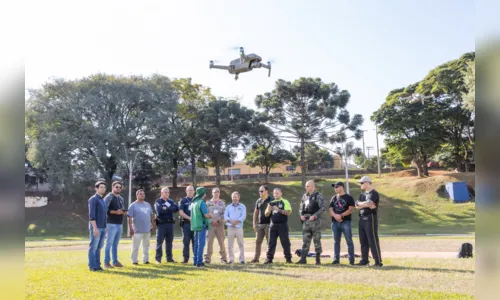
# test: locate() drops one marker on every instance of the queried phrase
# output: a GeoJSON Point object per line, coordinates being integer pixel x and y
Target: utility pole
{"type": "Point", "coordinates": [378, 152]}
{"type": "Point", "coordinates": [345, 168]}
{"type": "Point", "coordinates": [369, 148]}
{"type": "Point", "coordinates": [364, 151]}
{"type": "Point", "coordinates": [130, 165]}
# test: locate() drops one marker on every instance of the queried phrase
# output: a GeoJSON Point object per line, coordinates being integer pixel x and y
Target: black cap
{"type": "Point", "coordinates": [337, 184]}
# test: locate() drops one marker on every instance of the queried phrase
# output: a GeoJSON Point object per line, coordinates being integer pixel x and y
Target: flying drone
{"type": "Point", "coordinates": [243, 64]}
{"type": "Point", "coordinates": [416, 98]}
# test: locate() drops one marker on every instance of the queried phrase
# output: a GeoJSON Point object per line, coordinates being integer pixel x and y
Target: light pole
{"type": "Point", "coordinates": [345, 168]}
{"type": "Point", "coordinates": [364, 151]}
{"type": "Point", "coordinates": [130, 165]}
{"type": "Point", "coordinates": [369, 148]}
{"type": "Point", "coordinates": [378, 152]}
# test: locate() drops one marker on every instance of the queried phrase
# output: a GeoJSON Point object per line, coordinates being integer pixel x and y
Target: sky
{"type": "Point", "coordinates": [366, 47]}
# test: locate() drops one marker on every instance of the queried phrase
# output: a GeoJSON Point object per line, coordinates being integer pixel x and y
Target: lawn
{"type": "Point", "coordinates": [59, 274]}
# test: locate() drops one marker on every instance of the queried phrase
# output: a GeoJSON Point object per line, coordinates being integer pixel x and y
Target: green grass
{"type": "Point", "coordinates": [64, 275]}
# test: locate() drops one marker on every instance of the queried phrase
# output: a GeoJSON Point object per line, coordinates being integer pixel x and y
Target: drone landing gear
{"type": "Point", "coordinates": [236, 77]}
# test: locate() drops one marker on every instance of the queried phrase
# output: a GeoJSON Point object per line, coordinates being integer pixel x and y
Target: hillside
{"type": "Point", "coordinates": [409, 205]}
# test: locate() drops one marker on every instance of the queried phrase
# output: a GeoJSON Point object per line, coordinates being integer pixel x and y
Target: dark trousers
{"type": "Point", "coordinates": [368, 237]}
{"type": "Point", "coordinates": [281, 231]}
{"type": "Point", "coordinates": [164, 232]}
{"type": "Point", "coordinates": [187, 237]}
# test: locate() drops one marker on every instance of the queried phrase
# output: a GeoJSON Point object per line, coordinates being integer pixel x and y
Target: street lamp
{"type": "Point", "coordinates": [378, 152]}
{"type": "Point", "coordinates": [130, 165]}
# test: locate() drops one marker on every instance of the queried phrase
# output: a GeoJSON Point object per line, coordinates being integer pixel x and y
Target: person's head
{"type": "Point", "coordinates": [201, 192]}
{"type": "Point", "coordinates": [216, 193]}
{"type": "Point", "coordinates": [339, 187]}
{"type": "Point", "coordinates": [140, 195]}
{"type": "Point", "coordinates": [310, 186]}
{"type": "Point", "coordinates": [165, 192]}
{"type": "Point", "coordinates": [236, 197]}
{"type": "Point", "coordinates": [190, 191]}
{"type": "Point", "coordinates": [277, 193]}
{"type": "Point", "coordinates": [366, 183]}
{"type": "Point", "coordinates": [264, 191]}
{"type": "Point", "coordinates": [100, 187]}
{"type": "Point", "coordinates": [116, 187]}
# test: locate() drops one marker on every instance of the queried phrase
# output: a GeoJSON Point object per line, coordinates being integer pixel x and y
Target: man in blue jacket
{"type": "Point", "coordinates": [165, 208]}
{"type": "Point", "coordinates": [97, 225]}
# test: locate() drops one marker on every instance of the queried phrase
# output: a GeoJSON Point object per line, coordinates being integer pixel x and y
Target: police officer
{"type": "Point", "coordinates": [165, 207]}
{"type": "Point", "coordinates": [311, 208]}
{"type": "Point", "coordinates": [367, 204]}
{"type": "Point", "coordinates": [185, 222]}
{"type": "Point", "coordinates": [279, 210]}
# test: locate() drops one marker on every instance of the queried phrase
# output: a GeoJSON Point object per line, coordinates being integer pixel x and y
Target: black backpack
{"type": "Point", "coordinates": [465, 251]}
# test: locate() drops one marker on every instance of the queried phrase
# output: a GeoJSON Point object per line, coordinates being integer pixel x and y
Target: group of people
{"type": "Point", "coordinates": [203, 220]}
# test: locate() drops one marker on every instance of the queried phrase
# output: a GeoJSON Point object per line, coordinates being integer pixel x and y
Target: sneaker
{"type": "Point", "coordinates": [171, 261]}
{"type": "Point", "coordinates": [118, 265]}
{"type": "Point", "coordinates": [108, 266]}
{"type": "Point", "coordinates": [185, 261]}
{"type": "Point", "coordinates": [335, 262]}
{"type": "Point", "coordinates": [289, 261]}
{"type": "Point", "coordinates": [242, 262]}
{"type": "Point", "coordinates": [158, 262]}
{"type": "Point", "coordinates": [363, 263]}
{"type": "Point", "coordinates": [268, 261]}
{"type": "Point", "coordinates": [229, 262]}
{"type": "Point", "coordinates": [223, 261]}
{"type": "Point", "coordinates": [135, 263]}
{"type": "Point", "coordinates": [254, 261]}
{"type": "Point", "coordinates": [98, 269]}
{"type": "Point", "coordinates": [146, 263]}
{"type": "Point", "coordinates": [378, 265]}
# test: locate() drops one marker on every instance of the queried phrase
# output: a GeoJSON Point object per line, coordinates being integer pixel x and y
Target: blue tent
{"type": "Point", "coordinates": [458, 191]}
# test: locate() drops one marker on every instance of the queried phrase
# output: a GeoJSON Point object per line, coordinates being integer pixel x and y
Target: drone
{"type": "Point", "coordinates": [417, 98]}
{"type": "Point", "coordinates": [243, 64]}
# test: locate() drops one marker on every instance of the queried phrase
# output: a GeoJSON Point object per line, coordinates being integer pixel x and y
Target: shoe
{"type": "Point", "coordinates": [206, 262]}
{"type": "Point", "coordinates": [108, 266]}
{"type": "Point", "coordinates": [318, 260]}
{"type": "Point", "coordinates": [351, 263]}
{"type": "Point", "coordinates": [378, 265]}
{"type": "Point", "coordinates": [135, 263]}
{"type": "Point", "coordinates": [118, 265]}
{"type": "Point", "coordinates": [363, 263]}
{"type": "Point", "coordinates": [158, 262]}
{"type": "Point", "coordinates": [229, 262]}
{"type": "Point", "coordinates": [242, 262]}
{"type": "Point", "coordinates": [302, 261]}
{"type": "Point", "coordinates": [335, 262]}
{"type": "Point", "coordinates": [254, 261]}
{"type": "Point", "coordinates": [223, 261]}
{"type": "Point", "coordinates": [146, 263]}
{"type": "Point", "coordinates": [268, 261]}
{"type": "Point", "coordinates": [98, 269]}
{"type": "Point", "coordinates": [171, 261]}
{"type": "Point", "coordinates": [185, 261]}
{"type": "Point", "coordinates": [289, 261]}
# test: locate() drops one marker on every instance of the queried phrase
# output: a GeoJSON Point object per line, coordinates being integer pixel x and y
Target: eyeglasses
{"type": "Point", "coordinates": [118, 187]}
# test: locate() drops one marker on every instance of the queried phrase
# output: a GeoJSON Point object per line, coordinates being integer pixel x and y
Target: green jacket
{"type": "Point", "coordinates": [198, 210]}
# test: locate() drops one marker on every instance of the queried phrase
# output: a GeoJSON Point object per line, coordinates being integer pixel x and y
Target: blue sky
{"type": "Point", "coordinates": [366, 47]}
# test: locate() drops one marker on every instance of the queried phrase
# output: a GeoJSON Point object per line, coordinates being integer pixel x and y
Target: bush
{"type": "Point", "coordinates": [357, 176]}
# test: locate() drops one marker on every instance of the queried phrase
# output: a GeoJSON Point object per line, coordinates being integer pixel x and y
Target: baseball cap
{"type": "Point", "coordinates": [337, 184]}
{"type": "Point", "coordinates": [365, 179]}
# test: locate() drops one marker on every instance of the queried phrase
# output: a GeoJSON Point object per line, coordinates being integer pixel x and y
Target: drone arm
{"type": "Point", "coordinates": [261, 65]}
{"type": "Point", "coordinates": [219, 67]}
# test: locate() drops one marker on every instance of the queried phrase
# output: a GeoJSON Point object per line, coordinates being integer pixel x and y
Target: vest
{"type": "Point", "coordinates": [313, 205]}
{"type": "Point", "coordinates": [197, 217]}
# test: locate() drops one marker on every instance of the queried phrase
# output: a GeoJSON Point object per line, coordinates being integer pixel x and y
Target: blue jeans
{"type": "Point", "coordinates": [200, 238]}
{"type": "Point", "coordinates": [113, 238]}
{"type": "Point", "coordinates": [337, 229]}
{"type": "Point", "coordinates": [95, 246]}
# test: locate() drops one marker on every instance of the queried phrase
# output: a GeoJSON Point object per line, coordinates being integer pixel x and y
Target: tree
{"type": "Point", "coordinates": [351, 151]}
{"type": "Point", "coordinates": [268, 154]}
{"type": "Point", "coordinates": [308, 111]}
{"type": "Point", "coordinates": [226, 125]}
{"type": "Point", "coordinates": [83, 126]}
{"type": "Point", "coordinates": [470, 84]}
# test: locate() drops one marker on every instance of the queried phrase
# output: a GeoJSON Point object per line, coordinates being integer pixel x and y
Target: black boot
{"type": "Point", "coordinates": [302, 260]}
{"type": "Point", "coordinates": [318, 259]}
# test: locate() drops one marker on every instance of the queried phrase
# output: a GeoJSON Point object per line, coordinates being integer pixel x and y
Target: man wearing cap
{"type": "Point", "coordinates": [341, 206]}
{"type": "Point", "coordinates": [312, 207]}
{"type": "Point", "coordinates": [200, 223]}
{"type": "Point", "coordinates": [367, 204]}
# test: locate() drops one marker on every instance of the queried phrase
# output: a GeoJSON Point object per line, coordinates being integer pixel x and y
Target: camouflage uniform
{"type": "Point", "coordinates": [310, 205]}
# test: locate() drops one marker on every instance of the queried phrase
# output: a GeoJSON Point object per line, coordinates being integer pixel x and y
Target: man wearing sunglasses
{"type": "Point", "coordinates": [114, 224]}
{"type": "Point", "coordinates": [367, 204]}
{"type": "Point", "coordinates": [341, 207]}
{"type": "Point", "coordinates": [261, 223]}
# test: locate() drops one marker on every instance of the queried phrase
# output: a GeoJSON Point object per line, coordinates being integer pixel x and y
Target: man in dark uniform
{"type": "Point", "coordinates": [165, 207]}
{"type": "Point", "coordinates": [261, 223]}
{"type": "Point", "coordinates": [185, 222]}
{"type": "Point", "coordinates": [311, 208]}
{"type": "Point", "coordinates": [367, 204]}
{"type": "Point", "coordinates": [279, 210]}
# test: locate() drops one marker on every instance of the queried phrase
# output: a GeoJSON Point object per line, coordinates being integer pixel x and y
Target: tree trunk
{"type": "Point", "coordinates": [193, 170]}
{"type": "Point", "coordinates": [266, 176]}
{"type": "Point", "coordinates": [302, 162]}
{"type": "Point", "coordinates": [420, 171]}
{"type": "Point", "coordinates": [175, 166]}
{"type": "Point", "coordinates": [217, 171]}
{"type": "Point", "coordinates": [425, 168]}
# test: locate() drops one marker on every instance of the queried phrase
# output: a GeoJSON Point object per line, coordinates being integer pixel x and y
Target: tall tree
{"type": "Point", "coordinates": [226, 124]}
{"type": "Point", "coordinates": [309, 111]}
{"type": "Point", "coordinates": [348, 150]}
{"type": "Point", "coordinates": [83, 126]}
{"type": "Point", "coordinates": [470, 84]}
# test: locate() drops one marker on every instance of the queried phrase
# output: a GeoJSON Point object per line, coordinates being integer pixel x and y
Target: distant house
{"type": "Point", "coordinates": [241, 168]}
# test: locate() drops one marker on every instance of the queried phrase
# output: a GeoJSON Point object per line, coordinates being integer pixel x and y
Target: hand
{"type": "Point", "coordinates": [96, 232]}
{"type": "Point", "coordinates": [276, 208]}
{"type": "Point", "coordinates": [312, 218]}
{"type": "Point", "coordinates": [254, 228]}
{"type": "Point", "coordinates": [338, 217]}
{"type": "Point", "coordinates": [209, 216]}
{"type": "Point", "coordinates": [303, 218]}
{"type": "Point", "coordinates": [373, 206]}
{"type": "Point", "coordinates": [131, 232]}
{"type": "Point", "coordinates": [120, 212]}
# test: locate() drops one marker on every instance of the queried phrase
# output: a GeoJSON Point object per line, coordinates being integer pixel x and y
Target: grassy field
{"type": "Point", "coordinates": [64, 275]}
{"type": "Point", "coordinates": [408, 205]}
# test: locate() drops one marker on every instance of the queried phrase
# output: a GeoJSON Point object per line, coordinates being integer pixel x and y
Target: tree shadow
{"type": "Point", "coordinates": [155, 271]}
{"type": "Point", "coordinates": [404, 268]}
